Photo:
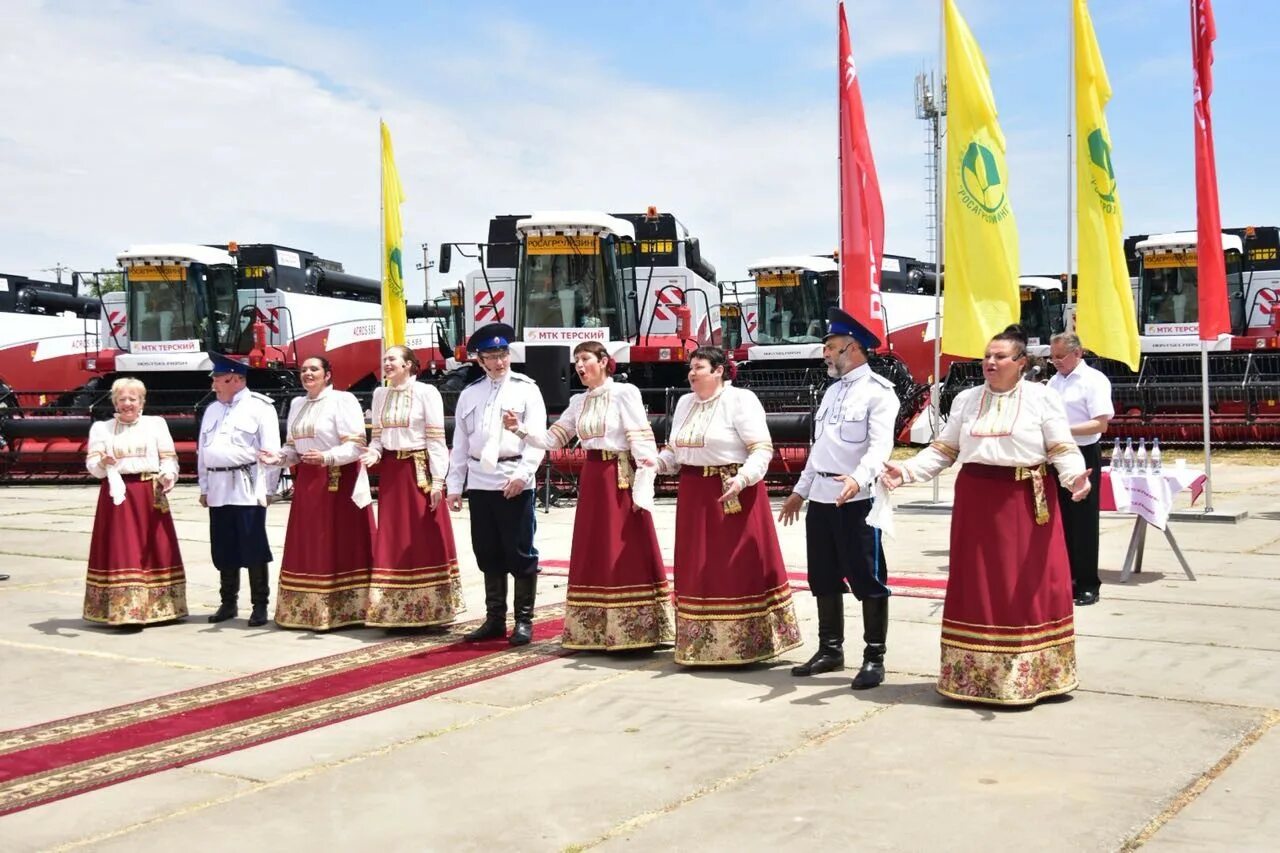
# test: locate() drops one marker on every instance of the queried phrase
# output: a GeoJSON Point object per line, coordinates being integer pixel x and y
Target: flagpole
{"type": "Point", "coordinates": [1208, 452]}
{"type": "Point", "coordinates": [939, 240]}
{"type": "Point", "coordinates": [382, 251]}
{"type": "Point", "coordinates": [1071, 116]}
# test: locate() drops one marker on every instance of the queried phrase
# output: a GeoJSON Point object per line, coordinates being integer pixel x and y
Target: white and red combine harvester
{"type": "Point", "coordinates": [636, 282]}
{"type": "Point", "coordinates": [44, 329]}
{"type": "Point", "coordinates": [269, 306]}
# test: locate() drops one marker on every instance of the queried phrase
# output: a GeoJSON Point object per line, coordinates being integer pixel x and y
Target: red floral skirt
{"type": "Point", "coordinates": [415, 581]}
{"type": "Point", "coordinates": [1008, 635]}
{"type": "Point", "coordinates": [328, 549]}
{"type": "Point", "coordinates": [135, 572]}
{"type": "Point", "coordinates": [733, 601]}
{"type": "Point", "coordinates": [617, 597]}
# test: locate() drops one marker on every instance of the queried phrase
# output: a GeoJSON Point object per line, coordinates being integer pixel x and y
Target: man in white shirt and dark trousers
{"type": "Point", "coordinates": [853, 439]}
{"type": "Point", "coordinates": [1086, 395]}
{"type": "Point", "coordinates": [497, 469]}
{"type": "Point", "coordinates": [234, 486]}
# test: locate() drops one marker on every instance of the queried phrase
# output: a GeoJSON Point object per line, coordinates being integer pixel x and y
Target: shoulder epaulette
{"type": "Point", "coordinates": [520, 377]}
{"type": "Point", "coordinates": [876, 377]}
{"type": "Point", "coordinates": [263, 397]}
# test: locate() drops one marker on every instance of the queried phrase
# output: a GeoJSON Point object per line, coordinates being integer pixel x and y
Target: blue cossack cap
{"type": "Point", "coordinates": [842, 324]}
{"type": "Point", "coordinates": [490, 337]}
{"type": "Point", "coordinates": [222, 364]}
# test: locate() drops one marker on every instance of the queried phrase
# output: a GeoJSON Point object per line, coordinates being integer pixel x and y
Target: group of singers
{"type": "Point", "coordinates": [1007, 624]}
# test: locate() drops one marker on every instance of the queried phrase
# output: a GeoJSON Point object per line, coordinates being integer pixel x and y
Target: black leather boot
{"type": "Point", "coordinates": [229, 590]}
{"type": "Point", "coordinates": [522, 604]}
{"type": "Point", "coordinates": [259, 593]}
{"type": "Point", "coordinates": [495, 609]}
{"type": "Point", "coordinates": [875, 629]}
{"type": "Point", "coordinates": [830, 654]}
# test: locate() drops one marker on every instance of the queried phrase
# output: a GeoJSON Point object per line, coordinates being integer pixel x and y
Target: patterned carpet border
{"type": "Point", "coordinates": [60, 759]}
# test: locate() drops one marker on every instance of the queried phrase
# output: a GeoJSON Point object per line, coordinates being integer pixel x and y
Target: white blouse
{"type": "Point", "coordinates": [410, 416]}
{"type": "Point", "coordinates": [730, 428]}
{"type": "Point", "coordinates": [610, 417]}
{"type": "Point", "coordinates": [1022, 427]}
{"type": "Point", "coordinates": [332, 422]}
{"type": "Point", "coordinates": [141, 447]}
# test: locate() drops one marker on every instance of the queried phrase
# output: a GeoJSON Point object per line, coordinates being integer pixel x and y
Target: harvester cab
{"type": "Point", "coordinates": [634, 282]}
{"type": "Point", "coordinates": [1043, 310]}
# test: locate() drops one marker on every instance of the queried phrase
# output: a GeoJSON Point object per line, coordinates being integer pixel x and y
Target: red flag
{"type": "Point", "coordinates": [1210, 268]}
{"type": "Point", "coordinates": [861, 209]}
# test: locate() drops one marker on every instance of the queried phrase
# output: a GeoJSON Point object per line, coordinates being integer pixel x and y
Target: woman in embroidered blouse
{"type": "Point", "coordinates": [415, 581]}
{"type": "Point", "coordinates": [328, 546]}
{"type": "Point", "coordinates": [733, 601]}
{"type": "Point", "coordinates": [617, 596]}
{"type": "Point", "coordinates": [135, 573]}
{"type": "Point", "coordinates": [1007, 630]}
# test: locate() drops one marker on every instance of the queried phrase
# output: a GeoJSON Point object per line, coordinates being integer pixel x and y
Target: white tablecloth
{"type": "Point", "coordinates": [1151, 495]}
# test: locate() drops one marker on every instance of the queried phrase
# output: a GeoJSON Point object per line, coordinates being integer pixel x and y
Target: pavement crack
{"type": "Point", "coordinates": [1188, 795]}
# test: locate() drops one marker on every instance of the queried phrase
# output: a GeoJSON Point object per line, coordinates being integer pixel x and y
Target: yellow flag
{"type": "Point", "coordinates": [1104, 301]}
{"type": "Point", "coordinates": [393, 305]}
{"type": "Point", "coordinates": [981, 251]}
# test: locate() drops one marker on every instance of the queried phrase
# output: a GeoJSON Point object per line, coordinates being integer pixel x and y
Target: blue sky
{"type": "Point", "coordinates": [256, 120]}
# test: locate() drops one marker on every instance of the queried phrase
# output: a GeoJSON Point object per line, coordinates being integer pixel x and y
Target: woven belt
{"type": "Point", "coordinates": [421, 472]}
{"type": "Point", "coordinates": [159, 499]}
{"type": "Point", "coordinates": [626, 468]}
{"type": "Point", "coordinates": [725, 473]}
{"type": "Point", "coordinates": [1036, 476]}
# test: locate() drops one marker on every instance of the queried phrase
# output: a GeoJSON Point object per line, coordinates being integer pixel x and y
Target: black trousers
{"type": "Point", "coordinates": [1080, 524]}
{"type": "Point", "coordinates": [502, 532]}
{"type": "Point", "coordinates": [238, 537]}
{"type": "Point", "coordinates": [843, 548]}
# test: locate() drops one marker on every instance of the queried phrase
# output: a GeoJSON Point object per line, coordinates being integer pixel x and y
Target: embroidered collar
{"type": "Point", "coordinates": [324, 392]}
{"type": "Point", "coordinates": [601, 388]}
{"type": "Point", "coordinates": [405, 385]}
{"type": "Point", "coordinates": [698, 401]}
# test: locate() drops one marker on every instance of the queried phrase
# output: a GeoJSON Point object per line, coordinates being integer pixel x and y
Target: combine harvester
{"type": "Point", "coordinates": [269, 306]}
{"type": "Point", "coordinates": [43, 327]}
{"type": "Point", "coordinates": [1163, 399]}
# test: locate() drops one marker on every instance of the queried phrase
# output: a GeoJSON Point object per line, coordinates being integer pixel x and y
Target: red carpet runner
{"type": "Point", "coordinates": [66, 757]}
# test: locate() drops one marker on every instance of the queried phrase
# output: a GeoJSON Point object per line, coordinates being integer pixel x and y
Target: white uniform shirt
{"type": "Point", "coordinates": [410, 416]}
{"type": "Point", "coordinates": [854, 436]}
{"type": "Point", "coordinates": [142, 447]}
{"type": "Point", "coordinates": [1086, 394]}
{"type": "Point", "coordinates": [610, 417]}
{"type": "Point", "coordinates": [477, 421]}
{"type": "Point", "coordinates": [231, 434]}
{"type": "Point", "coordinates": [727, 429]}
{"type": "Point", "coordinates": [331, 422]}
{"type": "Point", "coordinates": [1019, 428]}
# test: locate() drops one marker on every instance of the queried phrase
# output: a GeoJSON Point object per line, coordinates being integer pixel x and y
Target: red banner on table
{"type": "Point", "coordinates": [861, 208]}
{"type": "Point", "coordinates": [1210, 268]}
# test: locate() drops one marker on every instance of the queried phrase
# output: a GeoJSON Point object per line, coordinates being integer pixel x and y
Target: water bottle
{"type": "Point", "coordinates": [1155, 456]}
{"type": "Point", "coordinates": [1117, 461]}
{"type": "Point", "coordinates": [1128, 454]}
{"type": "Point", "coordinates": [1140, 458]}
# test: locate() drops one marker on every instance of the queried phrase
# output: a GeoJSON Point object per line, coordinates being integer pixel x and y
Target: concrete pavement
{"type": "Point", "coordinates": [1170, 742]}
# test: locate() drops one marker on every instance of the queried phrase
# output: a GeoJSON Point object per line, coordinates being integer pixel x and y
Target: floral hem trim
{"type": "Point", "coordinates": [321, 611]}
{"type": "Point", "coordinates": [596, 628]}
{"type": "Point", "coordinates": [135, 604]}
{"type": "Point", "coordinates": [415, 607]}
{"type": "Point", "coordinates": [741, 640]}
{"type": "Point", "coordinates": [1008, 678]}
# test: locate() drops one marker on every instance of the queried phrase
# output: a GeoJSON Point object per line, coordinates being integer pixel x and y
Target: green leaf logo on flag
{"type": "Point", "coordinates": [981, 185]}
{"type": "Point", "coordinates": [1101, 174]}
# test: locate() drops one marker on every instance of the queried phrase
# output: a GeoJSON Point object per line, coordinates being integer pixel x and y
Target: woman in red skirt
{"type": "Point", "coordinates": [135, 569]}
{"type": "Point", "coordinates": [733, 601]}
{"type": "Point", "coordinates": [415, 581]}
{"type": "Point", "coordinates": [1008, 636]}
{"type": "Point", "coordinates": [617, 597]}
{"type": "Point", "coordinates": [328, 546]}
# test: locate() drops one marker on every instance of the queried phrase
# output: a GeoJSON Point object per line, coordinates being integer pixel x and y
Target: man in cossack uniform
{"type": "Point", "coordinates": [854, 437]}
{"type": "Point", "coordinates": [497, 470]}
{"type": "Point", "coordinates": [234, 485]}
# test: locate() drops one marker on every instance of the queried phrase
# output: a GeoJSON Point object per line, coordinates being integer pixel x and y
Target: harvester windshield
{"type": "Point", "coordinates": [793, 305]}
{"type": "Point", "coordinates": [574, 276]}
{"type": "Point", "coordinates": [170, 302]}
{"type": "Point", "coordinates": [1169, 296]}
